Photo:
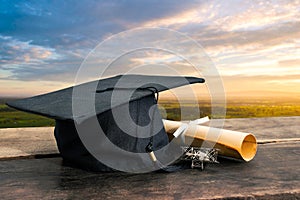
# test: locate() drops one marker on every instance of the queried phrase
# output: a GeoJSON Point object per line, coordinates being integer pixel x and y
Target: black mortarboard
{"type": "Point", "coordinates": [123, 98]}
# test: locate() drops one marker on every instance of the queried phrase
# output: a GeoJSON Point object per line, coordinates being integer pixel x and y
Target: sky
{"type": "Point", "coordinates": [254, 45]}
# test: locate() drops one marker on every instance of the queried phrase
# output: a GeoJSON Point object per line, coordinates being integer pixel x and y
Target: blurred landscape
{"type": "Point", "coordinates": [12, 118]}
{"type": "Point", "coordinates": [237, 107]}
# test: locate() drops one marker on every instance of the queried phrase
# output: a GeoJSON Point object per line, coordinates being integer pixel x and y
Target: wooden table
{"type": "Point", "coordinates": [273, 174]}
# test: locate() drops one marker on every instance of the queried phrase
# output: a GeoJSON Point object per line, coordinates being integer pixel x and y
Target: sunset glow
{"type": "Point", "coordinates": [255, 45]}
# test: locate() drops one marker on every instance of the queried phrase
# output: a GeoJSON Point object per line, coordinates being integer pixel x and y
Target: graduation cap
{"type": "Point", "coordinates": [125, 109]}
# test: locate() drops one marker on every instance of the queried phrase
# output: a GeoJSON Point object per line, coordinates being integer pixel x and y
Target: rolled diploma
{"type": "Point", "coordinates": [232, 144]}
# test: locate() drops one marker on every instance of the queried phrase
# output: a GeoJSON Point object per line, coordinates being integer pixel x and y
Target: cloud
{"type": "Point", "coordinates": [176, 21]}
{"type": "Point", "coordinates": [249, 38]}
{"type": "Point", "coordinates": [259, 15]}
{"type": "Point", "coordinates": [41, 40]}
{"type": "Point", "coordinates": [22, 60]}
{"type": "Point", "coordinates": [231, 15]}
{"type": "Point", "coordinates": [47, 41]}
{"type": "Point", "coordinates": [87, 19]}
{"type": "Point", "coordinates": [295, 63]}
{"type": "Point", "coordinates": [18, 52]}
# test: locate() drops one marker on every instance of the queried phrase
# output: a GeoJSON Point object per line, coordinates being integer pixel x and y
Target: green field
{"type": "Point", "coordinates": [234, 110]}
{"type": "Point", "coordinates": [10, 117]}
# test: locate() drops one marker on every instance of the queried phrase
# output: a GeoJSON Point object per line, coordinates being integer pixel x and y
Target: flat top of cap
{"type": "Point", "coordinates": [103, 94]}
